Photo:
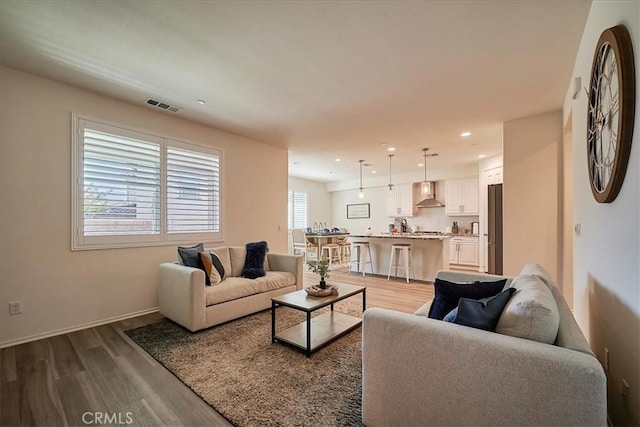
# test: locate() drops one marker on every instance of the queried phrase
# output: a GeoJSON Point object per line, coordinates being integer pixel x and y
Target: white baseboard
{"type": "Point", "coordinates": [49, 334]}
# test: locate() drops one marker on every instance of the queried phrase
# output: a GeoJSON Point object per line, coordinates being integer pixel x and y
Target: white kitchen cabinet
{"type": "Point", "coordinates": [462, 197]}
{"type": "Point", "coordinates": [464, 251]}
{"type": "Point", "coordinates": [400, 201]}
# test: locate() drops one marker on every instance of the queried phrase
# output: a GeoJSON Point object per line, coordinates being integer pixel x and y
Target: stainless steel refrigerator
{"type": "Point", "coordinates": [494, 235]}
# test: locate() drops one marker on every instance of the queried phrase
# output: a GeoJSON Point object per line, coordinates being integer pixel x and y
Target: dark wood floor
{"type": "Point", "coordinates": [98, 376]}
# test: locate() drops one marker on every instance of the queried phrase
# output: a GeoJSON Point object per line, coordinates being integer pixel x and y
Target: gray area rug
{"type": "Point", "coordinates": [237, 370]}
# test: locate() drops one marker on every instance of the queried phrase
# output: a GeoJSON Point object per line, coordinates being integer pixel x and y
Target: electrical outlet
{"type": "Point", "coordinates": [625, 394]}
{"type": "Point", "coordinates": [15, 307]}
{"type": "Point", "coordinates": [606, 360]}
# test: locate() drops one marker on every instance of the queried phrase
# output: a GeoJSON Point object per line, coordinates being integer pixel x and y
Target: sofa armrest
{"type": "Point", "coordinates": [421, 371]}
{"type": "Point", "coordinates": [290, 263]}
{"type": "Point", "coordinates": [181, 295]}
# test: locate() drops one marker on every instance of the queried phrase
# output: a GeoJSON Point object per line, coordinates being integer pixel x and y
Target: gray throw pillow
{"type": "Point", "coordinates": [189, 255]}
{"type": "Point", "coordinates": [532, 313]}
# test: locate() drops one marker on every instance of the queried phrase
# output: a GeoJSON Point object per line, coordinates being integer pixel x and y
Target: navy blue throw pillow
{"type": "Point", "coordinates": [254, 261]}
{"type": "Point", "coordinates": [449, 293]}
{"type": "Point", "coordinates": [190, 258]}
{"type": "Point", "coordinates": [483, 313]}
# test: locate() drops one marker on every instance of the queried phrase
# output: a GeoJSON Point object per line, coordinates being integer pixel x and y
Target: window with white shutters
{"type": "Point", "coordinates": [135, 189]}
{"type": "Point", "coordinates": [298, 209]}
{"type": "Point", "coordinates": [193, 196]}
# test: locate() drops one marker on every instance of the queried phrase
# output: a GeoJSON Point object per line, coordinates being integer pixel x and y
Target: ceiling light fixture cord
{"type": "Point", "coordinates": [361, 192]}
{"type": "Point", "coordinates": [390, 184]}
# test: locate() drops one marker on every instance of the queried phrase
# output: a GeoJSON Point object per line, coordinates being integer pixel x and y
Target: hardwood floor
{"type": "Point", "coordinates": [98, 376]}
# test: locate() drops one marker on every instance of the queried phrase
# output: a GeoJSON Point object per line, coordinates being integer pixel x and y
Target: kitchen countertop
{"type": "Point", "coordinates": [402, 236]}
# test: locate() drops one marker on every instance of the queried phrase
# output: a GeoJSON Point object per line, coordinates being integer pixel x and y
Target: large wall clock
{"type": "Point", "coordinates": [611, 112]}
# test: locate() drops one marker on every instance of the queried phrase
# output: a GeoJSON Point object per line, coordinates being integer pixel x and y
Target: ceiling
{"type": "Point", "coordinates": [326, 79]}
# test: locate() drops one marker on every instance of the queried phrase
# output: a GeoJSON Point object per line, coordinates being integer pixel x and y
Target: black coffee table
{"type": "Point", "coordinates": [316, 332]}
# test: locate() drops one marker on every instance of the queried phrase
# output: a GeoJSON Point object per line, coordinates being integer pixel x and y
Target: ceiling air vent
{"type": "Point", "coordinates": [163, 105]}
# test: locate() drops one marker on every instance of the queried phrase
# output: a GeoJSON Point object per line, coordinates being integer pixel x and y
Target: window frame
{"type": "Point", "coordinates": [291, 212]}
{"type": "Point", "coordinates": [81, 242]}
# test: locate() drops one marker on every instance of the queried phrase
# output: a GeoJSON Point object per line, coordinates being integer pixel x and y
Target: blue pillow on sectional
{"type": "Point", "coordinates": [254, 260]}
{"type": "Point", "coordinates": [483, 313]}
{"type": "Point", "coordinates": [451, 316]}
{"type": "Point", "coordinates": [449, 293]}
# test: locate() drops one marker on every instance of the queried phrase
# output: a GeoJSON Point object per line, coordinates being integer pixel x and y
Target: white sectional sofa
{"type": "Point", "coordinates": [185, 299]}
{"type": "Point", "coordinates": [423, 371]}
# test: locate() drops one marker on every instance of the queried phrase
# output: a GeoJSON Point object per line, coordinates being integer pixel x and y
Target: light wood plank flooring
{"type": "Point", "coordinates": [100, 372]}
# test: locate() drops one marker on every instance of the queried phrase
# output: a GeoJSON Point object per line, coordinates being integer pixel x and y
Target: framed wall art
{"type": "Point", "coordinates": [360, 210]}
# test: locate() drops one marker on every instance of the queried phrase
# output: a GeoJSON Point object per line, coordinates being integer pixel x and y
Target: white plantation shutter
{"type": "Point", "coordinates": [121, 185]}
{"type": "Point", "coordinates": [298, 209]}
{"type": "Point", "coordinates": [132, 189]}
{"type": "Point", "coordinates": [193, 191]}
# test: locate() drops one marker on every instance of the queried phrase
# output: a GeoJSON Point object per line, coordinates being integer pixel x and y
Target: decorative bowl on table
{"type": "Point", "coordinates": [317, 291]}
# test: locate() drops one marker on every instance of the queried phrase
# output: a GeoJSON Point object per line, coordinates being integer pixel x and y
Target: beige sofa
{"type": "Point", "coordinates": [185, 299]}
{"type": "Point", "coordinates": [419, 371]}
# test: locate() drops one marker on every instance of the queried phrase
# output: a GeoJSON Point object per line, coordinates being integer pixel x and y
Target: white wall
{"type": "Point", "coordinates": [607, 253]}
{"type": "Point", "coordinates": [530, 194]}
{"type": "Point", "coordinates": [320, 202]}
{"type": "Point", "coordinates": [377, 199]}
{"type": "Point", "coordinates": [61, 289]}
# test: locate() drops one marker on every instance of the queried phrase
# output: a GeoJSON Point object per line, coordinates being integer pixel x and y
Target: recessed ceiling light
{"type": "Point", "coordinates": [482, 156]}
{"type": "Point", "coordinates": [420, 165]}
{"type": "Point", "coordinates": [201, 101]}
{"type": "Point", "coordinates": [465, 134]}
{"type": "Point", "coordinates": [391, 149]}
{"type": "Point", "coordinates": [338, 160]}
{"type": "Point", "coordinates": [374, 171]}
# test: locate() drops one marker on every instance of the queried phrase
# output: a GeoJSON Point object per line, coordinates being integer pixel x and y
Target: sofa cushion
{"type": "Point", "coordinates": [212, 267]}
{"type": "Point", "coordinates": [275, 280]}
{"type": "Point", "coordinates": [532, 312]}
{"type": "Point", "coordinates": [225, 259]}
{"type": "Point", "coordinates": [237, 254]}
{"type": "Point", "coordinates": [229, 289]}
{"type": "Point", "coordinates": [538, 270]}
{"type": "Point", "coordinates": [483, 313]}
{"type": "Point", "coordinates": [254, 260]}
{"type": "Point", "coordinates": [449, 293]}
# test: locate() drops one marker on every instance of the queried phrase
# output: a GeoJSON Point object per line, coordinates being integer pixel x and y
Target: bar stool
{"type": "Point", "coordinates": [345, 251]}
{"type": "Point", "coordinates": [405, 250]}
{"type": "Point", "coordinates": [361, 250]}
{"type": "Point", "coordinates": [333, 252]}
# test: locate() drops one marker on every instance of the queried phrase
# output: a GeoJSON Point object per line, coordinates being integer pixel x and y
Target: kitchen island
{"type": "Point", "coordinates": [430, 252]}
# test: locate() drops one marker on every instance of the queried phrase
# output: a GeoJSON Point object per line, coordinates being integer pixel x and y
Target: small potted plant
{"type": "Point", "coordinates": [321, 268]}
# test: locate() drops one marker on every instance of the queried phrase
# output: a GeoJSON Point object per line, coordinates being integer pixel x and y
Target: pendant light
{"type": "Point", "coordinates": [390, 184]}
{"type": "Point", "coordinates": [425, 188]}
{"type": "Point", "coordinates": [361, 193]}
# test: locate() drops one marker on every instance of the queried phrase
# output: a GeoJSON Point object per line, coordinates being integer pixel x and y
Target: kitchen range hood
{"type": "Point", "coordinates": [429, 199]}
